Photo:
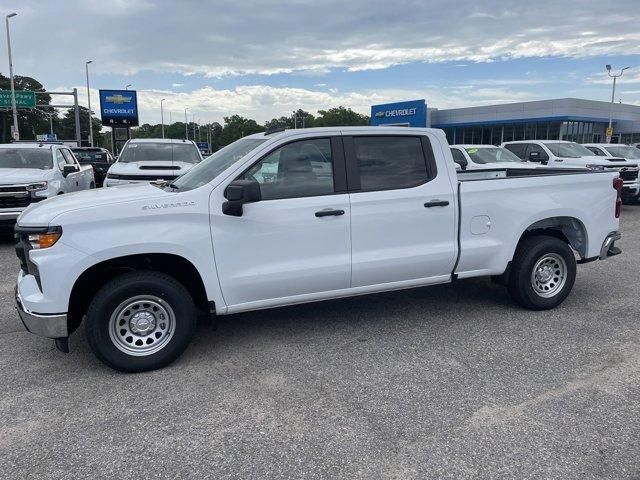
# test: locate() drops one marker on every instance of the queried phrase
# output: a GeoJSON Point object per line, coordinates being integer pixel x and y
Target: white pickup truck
{"type": "Point", "coordinates": [299, 216]}
{"type": "Point", "coordinates": [32, 172]}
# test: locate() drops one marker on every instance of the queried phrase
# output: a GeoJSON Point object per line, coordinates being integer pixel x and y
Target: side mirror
{"type": "Point", "coordinates": [67, 169]}
{"type": "Point", "coordinates": [458, 167]}
{"type": "Point", "coordinates": [238, 193]}
{"type": "Point", "coordinates": [463, 163]}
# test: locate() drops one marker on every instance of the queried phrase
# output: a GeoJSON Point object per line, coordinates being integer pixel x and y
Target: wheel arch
{"type": "Point", "coordinates": [97, 275]}
{"type": "Point", "coordinates": [566, 228]}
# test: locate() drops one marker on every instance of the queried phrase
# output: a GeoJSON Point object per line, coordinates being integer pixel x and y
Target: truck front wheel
{"type": "Point", "coordinates": [140, 321]}
{"type": "Point", "coordinates": [543, 272]}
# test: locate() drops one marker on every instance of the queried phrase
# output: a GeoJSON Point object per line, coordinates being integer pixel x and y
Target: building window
{"type": "Point", "coordinates": [496, 135]}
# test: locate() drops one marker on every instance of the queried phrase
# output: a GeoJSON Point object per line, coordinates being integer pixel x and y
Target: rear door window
{"type": "Point", "coordinates": [458, 156]}
{"type": "Point", "coordinates": [517, 149]}
{"type": "Point", "coordinates": [389, 162]}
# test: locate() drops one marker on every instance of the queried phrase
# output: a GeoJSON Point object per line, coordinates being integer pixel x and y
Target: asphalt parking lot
{"type": "Point", "coordinates": [445, 382]}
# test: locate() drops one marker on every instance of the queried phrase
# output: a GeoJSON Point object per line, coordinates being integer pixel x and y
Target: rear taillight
{"type": "Point", "coordinates": [617, 185]}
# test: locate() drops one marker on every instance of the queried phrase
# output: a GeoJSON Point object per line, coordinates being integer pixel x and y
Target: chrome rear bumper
{"type": "Point", "coordinates": [608, 248]}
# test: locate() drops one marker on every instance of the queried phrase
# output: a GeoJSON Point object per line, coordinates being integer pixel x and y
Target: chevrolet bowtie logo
{"type": "Point", "coordinates": [118, 99]}
{"type": "Point", "coordinates": [380, 114]}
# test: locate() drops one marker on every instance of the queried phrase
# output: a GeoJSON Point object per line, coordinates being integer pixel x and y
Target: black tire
{"type": "Point", "coordinates": [175, 321]}
{"type": "Point", "coordinates": [548, 289]}
{"type": "Point", "coordinates": [92, 186]}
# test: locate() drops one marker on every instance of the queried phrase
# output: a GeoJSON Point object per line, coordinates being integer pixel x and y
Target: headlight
{"type": "Point", "coordinates": [45, 239]}
{"type": "Point", "coordinates": [36, 187]}
{"type": "Point", "coordinates": [113, 176]}
{"type": "Point", "coordinates": [596, 167]}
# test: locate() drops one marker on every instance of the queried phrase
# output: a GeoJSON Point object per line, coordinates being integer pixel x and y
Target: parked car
{"type": "Point", "coordinates": [343, 211]}
{"type": "Point", "coordinates": [99, 158]}
{"type": "Point", "coordinates": [32, 172]}
{"type": "Point", "coordinates": [143, 160]}
{"type": "Point", "coordinates": [562, 154]}
{"type": "Point", "coordinates": [629, 174]}
{"type": "Point", "coordinates": [472, 157]}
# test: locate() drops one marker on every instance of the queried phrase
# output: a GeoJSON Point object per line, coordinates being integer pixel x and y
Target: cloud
{"type": "Point", "coordinates": [176, 85]}
{"type": "Point", "coordinates": [269, 37]}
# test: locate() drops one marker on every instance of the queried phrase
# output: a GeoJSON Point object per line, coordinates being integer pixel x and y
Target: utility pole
{"type": "Point", "coordinates": [186, 123]}
{"type": "Point", "coordinates": [194, 127]}
{"type": "Point", "coordinates": [86, 65]}
{"type": "Point", "coordinates": [162, 116]}
{"type": "Point", "coordinates": [613, 94]}
{"type": "Point", "coordinates": [16, 132]}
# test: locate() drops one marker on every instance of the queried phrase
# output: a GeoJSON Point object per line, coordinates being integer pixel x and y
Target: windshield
{"type": "Point", "coordinates": [88, 156]}
{"type": "Point", "coordinates": [217, 163]}
{"type": "Point", "coordinates": [491, 155]}
{"type": "Point", "coordinates": [569, 150]}
{"type": "Point", "coordinates": [159, 152]}
{"type": "Point", "coordinates": [38, 158]}
{"type": "Point", "coordinates": [624, 151]}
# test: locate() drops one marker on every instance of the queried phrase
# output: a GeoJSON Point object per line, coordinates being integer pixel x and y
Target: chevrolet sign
{"type": "Point", "coordinates": [412, 113]}
{"type": "Point", "coordinates": [119, 108]}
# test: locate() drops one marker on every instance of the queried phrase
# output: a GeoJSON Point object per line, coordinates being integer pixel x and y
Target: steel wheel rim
{"type": "Point", "coordinates": [142, 325]}
{"type": "Point", "coordinates": [549, 275]}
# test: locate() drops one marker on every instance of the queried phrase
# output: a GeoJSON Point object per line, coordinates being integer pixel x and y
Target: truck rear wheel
{"type": "Point", "coordinates": [543, 272]}
{"type": "Point", "coordinates": [140, 321]}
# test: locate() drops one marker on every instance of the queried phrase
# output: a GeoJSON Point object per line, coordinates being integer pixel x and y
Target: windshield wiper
{"type": "Point", "coordinates": [171, 185]}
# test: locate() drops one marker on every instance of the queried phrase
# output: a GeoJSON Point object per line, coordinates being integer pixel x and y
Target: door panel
{"type": "Point", "coordinates": [280, 248]}
{"type": "Point", "coordinates": [405, 233]}
{"type": "Point", "coordinates": [297, 239]}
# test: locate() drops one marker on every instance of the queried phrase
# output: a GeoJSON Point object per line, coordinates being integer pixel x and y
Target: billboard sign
{"type": "Point", "coordinates": [119, 108]}
{"type": "Point", "coordinates": [47, 137]}
{"type": "Point", "coordinates": [24, 99]}
{"type": "Point", "coordinates": [412, 113]}
{"type": "Point", "coordinates": [203, 146]}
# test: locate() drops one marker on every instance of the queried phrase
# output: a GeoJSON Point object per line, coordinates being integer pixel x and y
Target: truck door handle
{"type": "Point", "coordinates": [436, 203]}
{"type": "Point", "coordinates": [329, 213]}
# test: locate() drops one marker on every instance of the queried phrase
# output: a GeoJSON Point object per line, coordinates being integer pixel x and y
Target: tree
{"type": "Point", "coordinates": [65, 128]}
{"type": "Point", "coordinates": [340, 117]}
{"type": "Point", "coordinates": [236, 127]}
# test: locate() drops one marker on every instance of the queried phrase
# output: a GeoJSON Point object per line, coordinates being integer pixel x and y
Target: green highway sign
{"type": "Point", "coordinates": [24, 99]}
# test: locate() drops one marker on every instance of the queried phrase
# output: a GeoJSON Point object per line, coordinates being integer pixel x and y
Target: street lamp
{"type": "Point", "coordinates": [16, 132]}
{"type": "Point", "coordinates": [127, 86]}
{"type": "Point", "coordinates": [613, 94]}
{"type": "Point", "coordinates": [86, 66]}
{"type": "Point", "coordinates": [186, 130]}
{"type": "Point", "coordinates": [162, 116]}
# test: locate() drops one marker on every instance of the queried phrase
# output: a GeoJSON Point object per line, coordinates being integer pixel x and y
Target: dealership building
{"type": "Point", "coordinates": [573, 119]}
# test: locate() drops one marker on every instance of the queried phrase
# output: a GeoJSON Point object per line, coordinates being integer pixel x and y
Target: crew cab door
{"type": "Point", "coordinates": [76, 180]}
{"type": "Point", "coordinates": [402, 211]}
{"type": "Point", "coordinates": [293, 244]}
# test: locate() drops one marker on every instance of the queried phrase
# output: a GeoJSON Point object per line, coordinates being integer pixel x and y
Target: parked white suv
{"type": "Point", "coordinates": [629, 174]}
{"type": "Point", "coordinates": [300, 216]}
{"type": "Point", "coordinates": [143, 160]}
{"type": "Point", "coordinates": [32, 172]}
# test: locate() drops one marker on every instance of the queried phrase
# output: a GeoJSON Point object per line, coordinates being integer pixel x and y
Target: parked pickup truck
{"type": "Point", "coordinates": [100, 160]}
{"type": "Point", "coordinates": [631, 190]}
{"type": "Point", "coordinates": [32, 172]}
{"type": "Point", "coordinates": [563, 154]}
{"type": "Point", "coordinates": [343, 211]}
{"type": "Point", "coordinates": [474, 157]}
{"type": "Point", "coordinates": [144, 160]}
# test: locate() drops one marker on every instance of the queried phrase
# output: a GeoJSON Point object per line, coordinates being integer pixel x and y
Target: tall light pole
{"type": "Point", "coordinates": [162, 116]}
{"type": "Point", "coordinates": [194, 127]}
{"type": "Point", "coordinates": [16, 132]}
{"type": "Point", "coordinates": [613, 94]}
{"type": "Point", "coordinates": [186, 122]}
{"type": "Point", "coordinates": [86, 66]}
{"type": "Point", "coordinates": [127, 86]}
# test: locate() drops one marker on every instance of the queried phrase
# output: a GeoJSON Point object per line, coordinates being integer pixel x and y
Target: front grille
{"type": "Point", "coordinates": [158, 167]}
{"type": "Point", "coordinates": [21, 251]}
{"type": "Point", "coordinates": [629, 175]}
{"type": "Point", "coordinates": [14, 202]}
{"type": "Point", "coordinates": [148, 178]}
{"type": "Point", "coordinates": [12, 188]}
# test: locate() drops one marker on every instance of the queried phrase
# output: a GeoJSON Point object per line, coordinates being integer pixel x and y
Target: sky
{"type": "Point", "coordinates": [263, 59]}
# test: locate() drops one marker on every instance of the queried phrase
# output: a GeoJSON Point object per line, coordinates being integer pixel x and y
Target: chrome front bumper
{"type": "Point", "coordinates": [45, 325]}
{"type": "Point", "coordinates": [608, 248]}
